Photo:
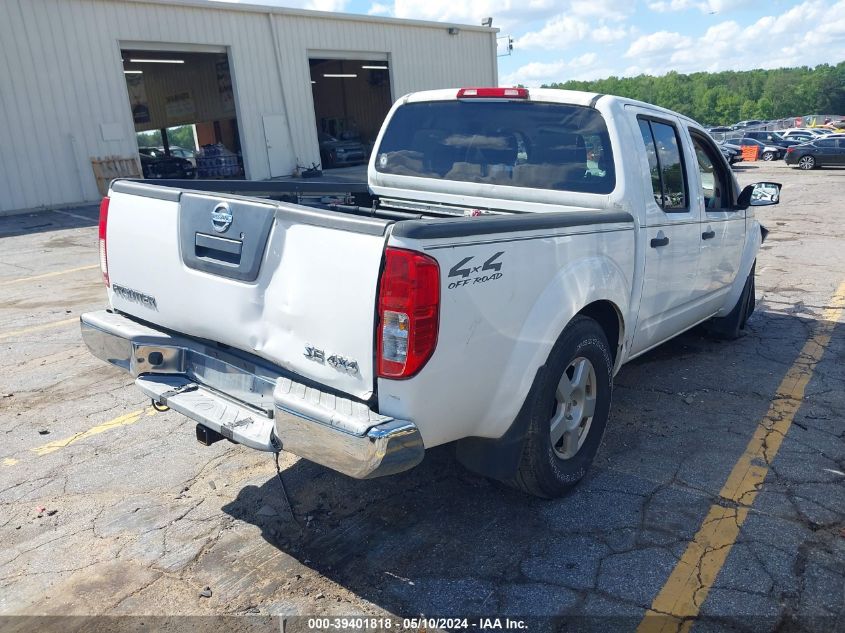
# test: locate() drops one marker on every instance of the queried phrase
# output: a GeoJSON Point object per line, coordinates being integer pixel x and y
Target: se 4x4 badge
{"type": "Point", "coordinates": [341, 363]}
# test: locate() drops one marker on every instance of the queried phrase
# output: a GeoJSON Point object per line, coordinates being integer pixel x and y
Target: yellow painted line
{"type": "Point", "coordinates": [680, 599]}
{"type": "Point", "coordinates": [9, 461]}
{"type": "Point", "coordinates": [38, 328]}
{"type": "Point", "coordinates": [123, 420]}
{"type": "Point", "coordinates": [47, 275]}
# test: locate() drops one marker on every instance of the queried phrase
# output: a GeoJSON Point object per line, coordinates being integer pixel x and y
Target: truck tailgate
{"type": "Point", "coordinates": [273, 279]}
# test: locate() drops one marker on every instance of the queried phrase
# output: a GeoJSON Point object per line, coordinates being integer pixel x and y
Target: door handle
{"type": "Point", "coordinates": [708, 235]}
{"type": "Point", "coordinates": [659, 241]}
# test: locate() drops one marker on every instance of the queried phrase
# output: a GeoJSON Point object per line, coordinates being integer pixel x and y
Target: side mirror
{"type": "Point", "coordinates": [760, 194]}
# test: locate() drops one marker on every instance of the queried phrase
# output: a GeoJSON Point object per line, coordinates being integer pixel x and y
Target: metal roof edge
{"type": "Point", "coordinates": [227, 5]}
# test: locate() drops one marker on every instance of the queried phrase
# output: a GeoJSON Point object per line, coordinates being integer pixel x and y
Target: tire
{"type": "Point", "coordinates": [577, 379]}
{"type": "Point", "coordinates": [730, 326]}
{"type": "Point", "coordinates": [767, 156]}
{"type": "Point", "coordinates": [807, 163]}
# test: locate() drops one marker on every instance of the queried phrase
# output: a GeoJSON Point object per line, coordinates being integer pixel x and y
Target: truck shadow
{"type": "Point", "coordinates": [439, 540]}
{"type": "Point", "coordinates": [47, 221]}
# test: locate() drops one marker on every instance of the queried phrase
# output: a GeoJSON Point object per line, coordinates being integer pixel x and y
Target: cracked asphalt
{"type": "Point", "coordinates": [111, 508]}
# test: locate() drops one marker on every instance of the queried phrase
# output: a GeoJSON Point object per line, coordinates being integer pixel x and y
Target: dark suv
{"type": "Point", "coordinates": [771, 138]}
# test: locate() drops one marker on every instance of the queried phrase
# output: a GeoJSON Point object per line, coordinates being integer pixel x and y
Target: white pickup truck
{"type": "Point", "coordinates": [515, 249]}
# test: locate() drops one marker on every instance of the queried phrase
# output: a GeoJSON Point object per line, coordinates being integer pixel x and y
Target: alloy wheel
{"type": "Point", "coordinates": [575, 404]}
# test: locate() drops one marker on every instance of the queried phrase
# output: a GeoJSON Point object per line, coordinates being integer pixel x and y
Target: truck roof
{"type": "Point", "coordinates": [548, 95]}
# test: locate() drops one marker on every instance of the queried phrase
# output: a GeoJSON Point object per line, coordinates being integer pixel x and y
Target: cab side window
{"type": "Point", "coordinates": [653, 167]}
{"type": "Point", "coordinates": [714, 178]}
{"type": "Point", "coordinates": [666, 165]}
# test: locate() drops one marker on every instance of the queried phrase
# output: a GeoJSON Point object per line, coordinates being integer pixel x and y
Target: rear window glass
{"type": "Point", "coordinates": [518, 144]}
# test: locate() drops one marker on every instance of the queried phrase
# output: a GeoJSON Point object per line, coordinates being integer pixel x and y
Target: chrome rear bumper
{"type": "Point", "coordinates": [252, 403]}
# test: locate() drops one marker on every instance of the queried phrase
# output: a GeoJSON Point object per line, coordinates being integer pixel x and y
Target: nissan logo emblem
{"type": "Point", "coordinates": [221, 218]}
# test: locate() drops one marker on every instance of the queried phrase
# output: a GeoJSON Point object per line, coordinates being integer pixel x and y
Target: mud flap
{"type": "Point", "coordinates": [499, 458]}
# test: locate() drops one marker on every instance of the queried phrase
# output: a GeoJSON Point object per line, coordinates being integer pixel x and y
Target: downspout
{"type": "Point", "coordinates": [495, 56]}
{"type": "Point", "coordinates": [274, 32]}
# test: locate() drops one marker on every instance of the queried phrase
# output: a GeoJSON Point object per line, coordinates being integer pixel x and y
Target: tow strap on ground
{"type": "Point", "coordinates": [284, 491]}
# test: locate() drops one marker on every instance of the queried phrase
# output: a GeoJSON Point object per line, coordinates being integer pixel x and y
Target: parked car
{"type": "Point", "coordinates": [719, 128]}
{"type": "Point", "coordinates": [767, 151]}
{"type": "Point", "coordinates": [803, 134]}
{"type": "Point", "coordinates": [731, 153]}
{"type": "Point", "coordinates": [772, 138]}
{"type": "Point", "coordinates": [745, 124]}
{"type": "Point", "coordinates": [485, 298]}
{"type": "Point", "coordinates": [156, 165]}
{"type": "Point", "coordinates": [182, 152]}
{"type": "Point", "coordinates": [335, 152]}
{"type": "Point", "coordinates": [822, 152]}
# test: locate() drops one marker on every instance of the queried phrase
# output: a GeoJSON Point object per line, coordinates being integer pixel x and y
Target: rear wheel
{"type": "Point", "coordinates": [807, 162]}
{"type": "Point", "coordinates": [569, 412]}
{"type": "Point", "coordinates": [768, 156]}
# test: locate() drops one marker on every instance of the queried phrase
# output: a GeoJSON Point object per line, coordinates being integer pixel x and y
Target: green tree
{"type": "Point", "coordinates": [748, 110]}
{"type": "Point", "coordinates": [726, 97]}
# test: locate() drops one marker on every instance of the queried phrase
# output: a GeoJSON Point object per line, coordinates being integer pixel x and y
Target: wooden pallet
{"type": "Point", "coordinates": [111, 167]}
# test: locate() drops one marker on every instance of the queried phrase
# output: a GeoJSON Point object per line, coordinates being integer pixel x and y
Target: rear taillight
{"type": "Point", "coordinates": [789, 150]}
{"type": "Point", "coordinates": [104, 220]}
{"type": "Point", "coordinates": [408, 311]}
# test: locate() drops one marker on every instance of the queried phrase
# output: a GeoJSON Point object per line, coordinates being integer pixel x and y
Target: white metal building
{"type": "Point", "coordinates": [250, 75]}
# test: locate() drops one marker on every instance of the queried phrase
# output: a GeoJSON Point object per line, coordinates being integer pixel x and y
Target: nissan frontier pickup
{"type": "Point", "coordinates": [511, 250]}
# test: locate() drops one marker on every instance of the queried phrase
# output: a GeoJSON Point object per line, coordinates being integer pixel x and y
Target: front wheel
{"type": "Point", "coordinates": [731, 325]}
{"type": "Point", "coordinates": [569, 412]}
{"type": "Point", "coordinates": [767, 156]}
{"type": "Point", "coordinates": [807, 163]}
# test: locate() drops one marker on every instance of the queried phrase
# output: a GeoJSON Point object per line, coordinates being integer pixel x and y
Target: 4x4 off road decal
{"type": "Point", "coordinates": [471, 274]}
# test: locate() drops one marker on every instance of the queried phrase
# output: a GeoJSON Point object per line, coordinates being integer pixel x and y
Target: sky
{"type": "Point", "coordinates": [557, 40]}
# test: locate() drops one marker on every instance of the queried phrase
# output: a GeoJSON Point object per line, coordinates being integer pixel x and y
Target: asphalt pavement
{"type": "Point", "coordinates": [109, 507]}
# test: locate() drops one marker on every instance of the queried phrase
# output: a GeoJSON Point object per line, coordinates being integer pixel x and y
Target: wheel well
{"type": "Point", "coordinates": [608, 317]}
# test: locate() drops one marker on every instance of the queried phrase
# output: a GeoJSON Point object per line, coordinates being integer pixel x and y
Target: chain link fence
{"type": "Point", "coordinates": [778, 124]}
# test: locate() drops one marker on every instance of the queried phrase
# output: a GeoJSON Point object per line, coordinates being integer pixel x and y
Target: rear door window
{"type": "Point", "coordinates": [514, 143]}
{"type": "Point", "coordinates": [653, 167]}
{"type": "Point", "coordinates": [661, 139]}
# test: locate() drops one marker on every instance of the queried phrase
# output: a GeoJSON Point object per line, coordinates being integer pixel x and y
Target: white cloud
{"type": "Point", "coordinates": [614, 10]}
{"type": "Point", "coordinates": [672, 5]}
{"type": "Point", "coordinates": [560, 32]}
{"type": "Point", "coordinates": [583, 67]}
{"type": "Point", "coordinates": [378, 8]}
{"type": "Point", "coordinates": [723, 6]}
{"type": "Point", "coordinates": [802, 35]}
{"type": "Point", "coordinates": [605, 34]}
{"type": "Point", "coordinates": [705, 6]}
{"type": "Point", "coordinates": [326, 5]}
{"type": "Point", "coordinates": [658, 44]}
